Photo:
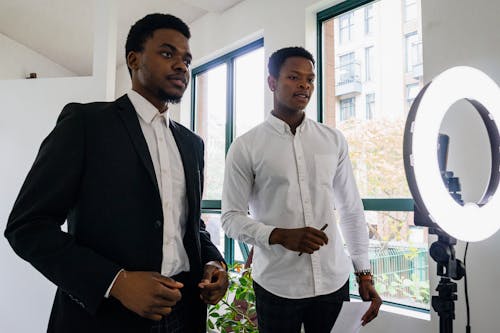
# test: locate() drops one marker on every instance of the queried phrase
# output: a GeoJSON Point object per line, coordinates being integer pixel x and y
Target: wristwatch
{"type": "Point", "coordinates": [364, 275]}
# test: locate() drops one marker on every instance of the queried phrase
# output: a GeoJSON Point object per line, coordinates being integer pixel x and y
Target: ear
{"type": "Point", "coordinates": [133, 59]}
{"type": "Point", "coordinates": [271, 81]}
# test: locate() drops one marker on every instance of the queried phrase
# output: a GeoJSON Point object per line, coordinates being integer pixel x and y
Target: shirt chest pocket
{"type": "Point", "coordinates": [325, 166]}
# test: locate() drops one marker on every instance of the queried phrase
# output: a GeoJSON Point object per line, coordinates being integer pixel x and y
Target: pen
{"type": "Point", "coordinates": [322, 229]}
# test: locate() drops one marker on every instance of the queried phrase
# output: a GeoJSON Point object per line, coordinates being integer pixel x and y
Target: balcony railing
{"type": "Point", "coordinates": [348, 79]}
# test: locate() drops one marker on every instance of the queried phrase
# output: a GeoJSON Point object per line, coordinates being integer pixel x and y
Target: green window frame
{"type": "Point", "coordinates": [214, 206]}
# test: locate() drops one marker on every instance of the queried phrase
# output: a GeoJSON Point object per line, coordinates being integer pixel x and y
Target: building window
{"type": "Point", "coordinates": [347, 68]}
{"type": "Point", "coordinates": [368, 19]}
{"type": "Point", "coordinates": [228, 100]}
{"type": "Point", "coordinates": [346, 23]}
{"type": "Point", "coordinates": [410, 10]}
{"type": "Point", "coordinates": [412, 50]}
{"type": "Point", "coordinates": [369, 63]}
{"type": "Point", "coordinates": [411, 92]}
{"type": "Point", "coordinates": [347, 109]}
{"type": "Point", "coordinates": [370, 106]}
{"type": "Point", "coordinates": [398, 249]}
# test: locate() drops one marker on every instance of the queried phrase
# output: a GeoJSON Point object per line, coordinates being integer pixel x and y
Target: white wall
{"type": "Point", "coordinates": [455, 32]}
{"type": "Point", "coordinates": [28, 113]}
{"type": "Point", "coordinates": [17, 61]}
{"type": "Point", "coordinates": [29, 110]}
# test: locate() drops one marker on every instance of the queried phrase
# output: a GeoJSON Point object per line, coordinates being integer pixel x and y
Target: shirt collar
{"type": "Point", "coordinates": [282, 127]}
{"type": "Point", "coordinates": [144, 108]}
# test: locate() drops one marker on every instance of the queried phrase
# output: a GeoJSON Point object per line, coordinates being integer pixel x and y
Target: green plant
{"type": "Point", "coordinates": [414, 288]}
{"type": "Point", "coordinates": [236, 311]}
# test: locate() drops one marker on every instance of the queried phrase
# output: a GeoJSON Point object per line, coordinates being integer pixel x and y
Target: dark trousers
{"type": "Point", "coordinates": [318, 314]}
{"type": "Point", "coordinates": [181, 320]}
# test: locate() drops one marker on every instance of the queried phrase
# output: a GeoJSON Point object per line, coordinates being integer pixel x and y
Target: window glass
{"type": "Point", "coordinates": [211, 126]}
{"type": "Point", "coordinates": [249, 91]}
{"type": "Point", "coordinates": [371, 113]}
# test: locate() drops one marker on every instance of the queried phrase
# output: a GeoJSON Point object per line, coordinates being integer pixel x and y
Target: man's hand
{"type": "Point", "coordinates": [368, 293]}
{"type": "Point", "coordinates": [305, 240]}
{"type": "Point", "coordinates": [148, 294]}
{"type": "Point", "coordinates": [214, 283]}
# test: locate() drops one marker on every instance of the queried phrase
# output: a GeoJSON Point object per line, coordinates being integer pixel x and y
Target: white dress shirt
{"type": "Point", "coordinates": [169, 172]}
{"type": "Point", "coordinates": [293, 181]}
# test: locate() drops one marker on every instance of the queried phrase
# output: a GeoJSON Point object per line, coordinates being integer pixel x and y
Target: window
{"type": "Point", "coordinates": [398, 249]}
{"type": "Point", "coordinates": [227, 100]}
{"type": "Point", "coordinates": [370, 106]}
{"type": "Point", "coordinates": [369, 63]}
{"type": "Point", "coordinates": [347, 67]}
{"type": "Point", "coordinates": [347, 109]}
{"type": "Point", "coordinates": [412, 50]}
{"type": "Point", "coordinates": [410, 10]}
{"type": "Point", "coordinates": [345, 27]}
{"type": "Point", "coordinates": [368, 19]}
{"type": "Point", "coordinates": [411, 93]}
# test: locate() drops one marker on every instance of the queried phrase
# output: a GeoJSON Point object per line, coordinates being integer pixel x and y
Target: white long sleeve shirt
{"type": "Point", "coordinates": [293, 181]}
{"type": "Point", "coordinates": [169, 172]}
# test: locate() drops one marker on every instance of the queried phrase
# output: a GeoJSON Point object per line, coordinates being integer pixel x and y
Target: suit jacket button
{"type": "Point", "coordinates": [158, 223]}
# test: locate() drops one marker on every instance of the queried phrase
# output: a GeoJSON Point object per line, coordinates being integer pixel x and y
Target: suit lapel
{"type": "Point", "coordinates": [128, 114]}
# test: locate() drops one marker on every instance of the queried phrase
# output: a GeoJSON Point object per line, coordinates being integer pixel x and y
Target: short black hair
{"type": "Point", "coordinates": [277, 59]}
{"type": "Point", "coordinates": [145, 27]}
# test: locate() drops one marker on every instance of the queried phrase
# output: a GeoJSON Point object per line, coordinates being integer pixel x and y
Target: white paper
{"type": "Point", "coordinates": [349, 319]}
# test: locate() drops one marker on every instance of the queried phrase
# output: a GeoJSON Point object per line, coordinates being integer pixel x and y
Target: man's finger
{"type": "Point", "coordinates": [318, 234]}
{"type": "Point", "coordinates": [168, 282]}
{"type": "Point", "coordinates": [169, 294]}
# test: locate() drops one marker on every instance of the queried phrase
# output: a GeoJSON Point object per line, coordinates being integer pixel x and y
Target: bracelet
{"type": "Point", "coordinates": [363, 272]}
{"type": "Point", "coordinates": [364, 275]}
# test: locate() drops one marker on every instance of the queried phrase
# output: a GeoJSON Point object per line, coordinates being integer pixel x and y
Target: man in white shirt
{"type": "Point", "coordinates": [290, 172]}
{"type": "Point", "coordinates": [129, 180]}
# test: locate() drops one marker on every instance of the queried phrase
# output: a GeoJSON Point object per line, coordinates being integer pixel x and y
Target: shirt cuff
{"type": "Point", "coordinates": [263, 235]}
{"type": "Point", "coordinates": [361, 262]}
{"type": "Point", "coordinates": [106, 295]}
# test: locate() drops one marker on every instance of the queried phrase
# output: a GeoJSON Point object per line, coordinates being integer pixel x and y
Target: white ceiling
{"type": "Point", "coordinates": [62, 30]}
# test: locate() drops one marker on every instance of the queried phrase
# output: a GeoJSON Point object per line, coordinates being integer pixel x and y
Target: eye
{"type": "Point", "coordinates": [166, 54]}
{"type": "Point", "coordinates": [310, 80]}
{"type": "Point", "coordinates": [292, 77]}
{"type": "Point", "coordinates": [187, 62]}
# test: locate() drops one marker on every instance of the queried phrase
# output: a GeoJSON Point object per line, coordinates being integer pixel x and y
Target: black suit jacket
{"type": "Point", "coordinates": [94, 169]}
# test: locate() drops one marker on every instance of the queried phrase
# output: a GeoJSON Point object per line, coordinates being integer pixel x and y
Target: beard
{"type": "Point", "coordinates": [169, 98]}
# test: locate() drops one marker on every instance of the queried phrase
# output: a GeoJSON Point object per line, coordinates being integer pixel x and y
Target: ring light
{"type": "Point", "coordinates": [472, 221]}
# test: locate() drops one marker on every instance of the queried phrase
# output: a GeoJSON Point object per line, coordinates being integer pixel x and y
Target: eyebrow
{"type": "Point", "coordinates": [303, 73]}
{"type": "Point", "coordinates": [173, 48]}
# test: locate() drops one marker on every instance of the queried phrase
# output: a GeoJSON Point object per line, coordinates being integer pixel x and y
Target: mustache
{"type": "Point", "coordinates": [180, 77]}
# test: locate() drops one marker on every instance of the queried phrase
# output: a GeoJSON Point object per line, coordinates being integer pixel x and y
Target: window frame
{"type": "Point", "coordinates": [369, 19]}
{"type": "Point", "coordinates": [215, 206]}
{"type": "Point", "coordinates": [369, 105]}
{"type": "Point", "coordinates": [369, 61]}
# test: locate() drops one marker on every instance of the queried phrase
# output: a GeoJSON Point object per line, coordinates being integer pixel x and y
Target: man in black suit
{"type": "Point", "coordinates": [129, 181]}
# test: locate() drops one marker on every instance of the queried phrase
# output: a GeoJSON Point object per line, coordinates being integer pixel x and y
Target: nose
{"type": "Point", "coordinates": [180, 66]}
{"type": "Point", "coordinates": [304, 84]}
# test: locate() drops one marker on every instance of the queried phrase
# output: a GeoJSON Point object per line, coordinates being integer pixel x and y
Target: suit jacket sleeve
{"type": "Point", "coordinates": [47, 196]}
